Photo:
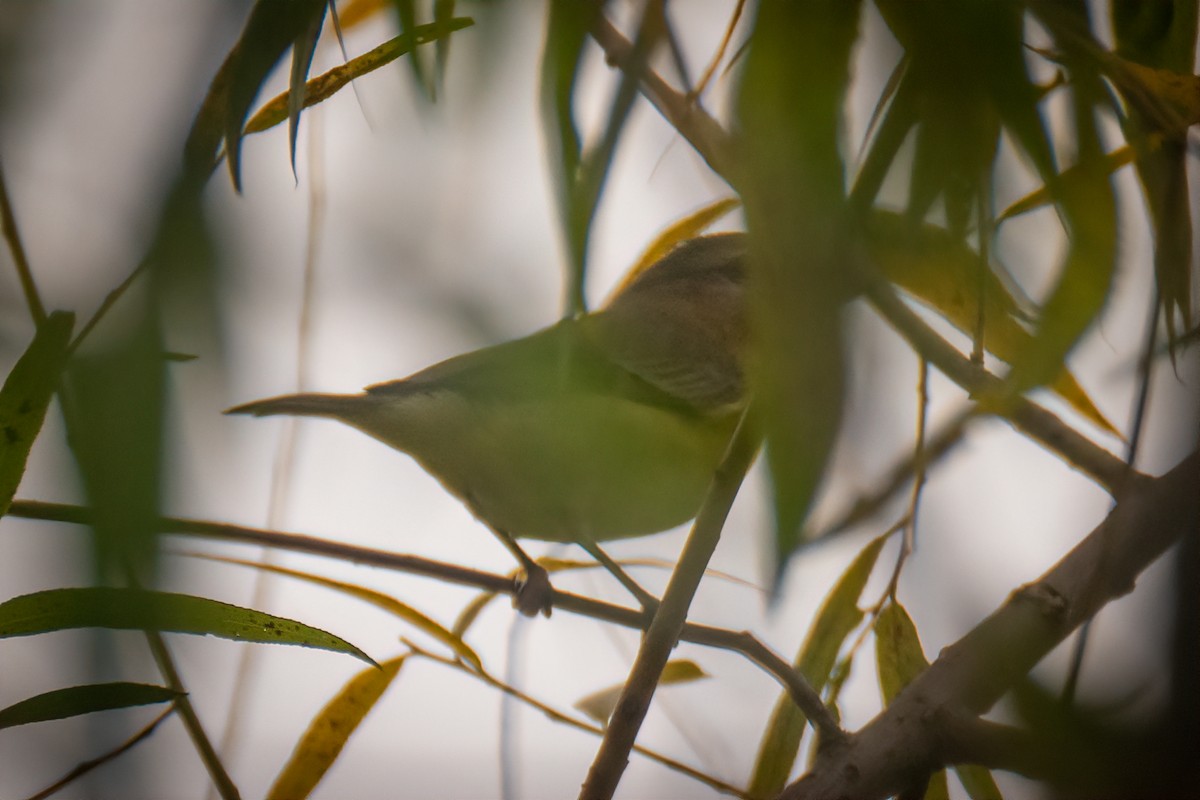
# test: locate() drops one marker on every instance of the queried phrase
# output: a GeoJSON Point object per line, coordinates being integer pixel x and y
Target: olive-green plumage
{"type": "Point", "coordinates": [599, 428]}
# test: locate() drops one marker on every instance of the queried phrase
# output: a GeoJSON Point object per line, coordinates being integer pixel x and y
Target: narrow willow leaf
{"type": "Point", "coordinates": [937, 789]}
{"type": "Point", "coordinates": [406, 15]}
{"type": "Point", "coordinates": [942, 271]}
{"type": "Point", "coordinates": [76, 700]}
{"type": "Point", "coordinates": [443, 13]}
{"type": "Point", "coordinates": [1039, 198]}
{"type": "Point", "coordinates": [838, 617]}
{"type": "Point", "coordinates": [303, 50]}
{"type": "Point", "coordinates": [690, 226]}
{"type": "Point", "coordinates": [26, 395]}
{"type": "Point", "coordinates": [1088, 210]}
{"type": "Point", "coordinates": [328, 733]}
{"type": "Point", "coordinates": [898, 652]}
{"type": "Point", "coordinates": [566, 33]}
{"type": "Point", "coordinates": [1158, 42]}
{"type": "Point", "coordinates": [272, 27]}
{"type": "Point", "coordinates": [790, 103]}
{"type": "Point", "coordinates": [470, 613]}
{"type": "Point", "coordinates": [140, 609]}
{"type": "Point", "coordinates": [324, 86]}
{"type": "Point", "coordinates": [378, 599]}
{"type": "Point", "coordinates": [978, 782]}
{"type": "Point", "coordinates": [900, 659]}
{"type": "Point", "coordinates": [600, 705]}
{"type": "Point", "coordinates": [355, 12]}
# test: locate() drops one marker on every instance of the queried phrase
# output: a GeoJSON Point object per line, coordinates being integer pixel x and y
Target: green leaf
{"type": "Point", "coordinates": [838, 617]}
{"type": "Point", "coordinates": [378, 599]}
{"type": "Point", "coordinates": [898, 651]}
{"type": "Point", "coordinates": [76, 700]}
{"type": "Point", "coordinates": [327, 84]}
{"type": "Point", "coordinates": [566, 32]}
{"type": "Point", "coordinates": [329, 731]}
{"type": "Point", "coordinates": [25, 397]}
{"type": "Point", "coordinates": [113, 403]}
{"type": "Point", "coordinates": [406, 15]}
{"type": "Point", "coordinates": [943, 271]}
{"type": "Point", "coordinates": [791, 174]}
{"type": "Point", "coordinates": [273, 26]}
{"type": "Point", "coordinates": [140, 609]}
{"type": "Point", "coordinates": [303, 49]}
{"type": "Point", "coordinates": [1087, 208]}
{"type": "Point", "coordinates": [600, 705]}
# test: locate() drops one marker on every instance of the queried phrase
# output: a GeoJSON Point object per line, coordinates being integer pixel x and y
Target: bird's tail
{"type": "Point", "coordinates": [339, 406]}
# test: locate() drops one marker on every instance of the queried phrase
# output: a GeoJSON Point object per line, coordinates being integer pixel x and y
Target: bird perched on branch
{"type": "Point", "coordinates": [603, 427]}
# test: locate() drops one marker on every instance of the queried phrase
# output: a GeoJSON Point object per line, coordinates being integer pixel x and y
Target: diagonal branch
{"type": "Point", "coordinates": [973, 673]}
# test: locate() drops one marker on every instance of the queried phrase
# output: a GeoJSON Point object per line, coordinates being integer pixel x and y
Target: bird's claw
{"type": "Point", "coordinates": [534, 594]}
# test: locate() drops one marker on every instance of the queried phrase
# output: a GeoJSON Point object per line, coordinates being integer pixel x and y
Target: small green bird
{"type": "Point", "coordinates": [604, 427]}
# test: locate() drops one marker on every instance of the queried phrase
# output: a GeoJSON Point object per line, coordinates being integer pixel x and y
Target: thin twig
{"type": "Point", "coordinates": [558, 716]}
{"type": "Point", "coordinates": [705, 635]}
{"type": "Point", "coordinates": [110, 300]}
{"type": "Point", "coordinates": [668, 623]}
{"type": "Point", "coordinates": [183, 704]}
{"type": "Point", "coordinates": [87, 766]}
{"type": "Point", "coordinates": [12, 235]}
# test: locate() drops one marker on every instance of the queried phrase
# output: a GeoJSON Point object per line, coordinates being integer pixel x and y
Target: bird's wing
{"type": "Point", "coordinates": [681, 325]}
{"type": "Point", "coordinates": [556, 360]}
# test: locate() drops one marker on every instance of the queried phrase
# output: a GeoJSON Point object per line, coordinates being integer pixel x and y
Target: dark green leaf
{"type": "Point", "coordinates": [76, 700]}
{"type": "Point", "coordinates": [1161, 35]}
{"type": "Point", "coordinates": [25, 397]}
{"type": "Point", "coordinates": [1087, 207]}
{"type": "Point", "coordinates": [324, 86]}
{"type": "Point", "coordinates": [303, 50]}
{"type": "Point", "coordinates": [566, 32]}
{"type": "Point", "coordinates": [113, 404]}
{"type": "Point", "coordinates": [273, 26]}
{"type": "Point", "coordinates": [406, 14]}
{"type": "Point", "coordinates": [140, 609]}
{"type": "Point", "coordinates": [791, 100]}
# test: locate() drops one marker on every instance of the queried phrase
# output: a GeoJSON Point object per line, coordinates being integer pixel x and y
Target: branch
{"type": "Point", "coordinates": [973, 673]}
{"type": "Point", "coordinates": [668, 623]}
{"type": "Point", "coordinates": [741, 642]}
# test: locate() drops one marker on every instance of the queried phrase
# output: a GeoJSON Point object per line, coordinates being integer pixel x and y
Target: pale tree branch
{"type": "Point", "coordinates": [974, 672]}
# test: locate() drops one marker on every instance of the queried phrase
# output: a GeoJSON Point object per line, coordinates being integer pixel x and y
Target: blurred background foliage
{"type": "Point", "coordinates": [1018, 172]}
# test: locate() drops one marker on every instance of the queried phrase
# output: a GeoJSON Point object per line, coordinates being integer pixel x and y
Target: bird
{"type": "Point", "coordinates": [604, 426]}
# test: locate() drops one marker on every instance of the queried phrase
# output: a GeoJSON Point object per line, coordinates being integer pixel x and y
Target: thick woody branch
{"type": "Point", "coordinates": [973, 673]}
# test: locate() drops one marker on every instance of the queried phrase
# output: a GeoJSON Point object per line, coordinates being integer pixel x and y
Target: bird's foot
{"type": "Point", "coordinates": [534, 595]}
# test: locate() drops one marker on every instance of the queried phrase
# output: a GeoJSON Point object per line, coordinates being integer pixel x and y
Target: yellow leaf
{"type": "Point", "coordinates": [689, 227]}
{"type": "Point", "coordinates": [328, 733]}
{"type": "Point", "coordinates": [324, 86]}
{"type": "Point", "coordinates": [356, 12]}
{"type": "Point", "coordinates": [599, 705]}
{"type": "Point", "coordinates": [943, 272]}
